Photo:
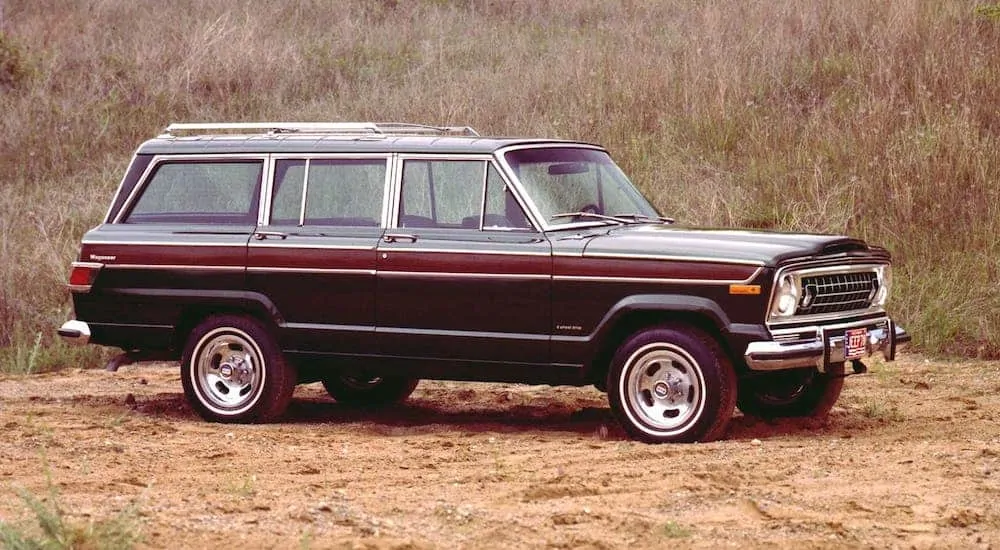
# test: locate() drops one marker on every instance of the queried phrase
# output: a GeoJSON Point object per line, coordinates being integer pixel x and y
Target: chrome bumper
{"type": "Point", "coordinates": [826, 348]}
{"type": "Point", "coordinates": [75, 332]}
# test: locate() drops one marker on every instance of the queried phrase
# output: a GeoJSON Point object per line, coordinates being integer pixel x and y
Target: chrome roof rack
{"type": "Point", "coordinates": [373, 129]}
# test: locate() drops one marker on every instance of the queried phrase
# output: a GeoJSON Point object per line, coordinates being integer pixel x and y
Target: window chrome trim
{"type": "Point", "coordinates": [488, 159]}
{"type": "Point", "coordinates": [533, 212]}
{"type": "Point", "coordinates": [121, 184]}
{"type": "Point", "coordinates": [157, 160]}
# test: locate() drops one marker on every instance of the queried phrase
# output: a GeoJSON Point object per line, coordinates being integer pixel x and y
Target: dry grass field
{"type": "Point", "coordinates": [877, 119]}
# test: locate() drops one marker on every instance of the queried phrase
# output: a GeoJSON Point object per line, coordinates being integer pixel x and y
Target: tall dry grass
{"type": "Point", "coordinates": [877, 119]}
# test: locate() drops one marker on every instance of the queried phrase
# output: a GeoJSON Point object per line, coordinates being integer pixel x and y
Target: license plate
{"type": "Point", "coordinates": [855, 343]}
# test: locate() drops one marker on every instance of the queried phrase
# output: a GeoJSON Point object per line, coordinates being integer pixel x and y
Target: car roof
{"type": "Point", "coordinates": [305, 143]}
{"type": "Point", "coordinates": [332, 137]}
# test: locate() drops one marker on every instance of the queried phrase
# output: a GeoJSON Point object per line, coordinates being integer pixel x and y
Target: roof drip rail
{"type": "Point", "coordinates": [373, 129]}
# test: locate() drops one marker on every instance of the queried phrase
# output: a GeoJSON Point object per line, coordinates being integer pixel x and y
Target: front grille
{"type": "Point", "coordinates": [833, 293]}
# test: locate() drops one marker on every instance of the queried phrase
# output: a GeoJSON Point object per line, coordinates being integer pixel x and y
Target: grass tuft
{"type": "Point", "coordinates": [52, 528]}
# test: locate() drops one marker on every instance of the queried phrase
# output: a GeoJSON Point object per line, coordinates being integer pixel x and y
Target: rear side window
{"type": "Point", "coordinates": [337, 192]}
{"type": "Point", "coordinates": [216, 192]}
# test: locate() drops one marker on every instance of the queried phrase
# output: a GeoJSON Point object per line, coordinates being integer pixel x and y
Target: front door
{"type": "Point", "coordinates": [462, 274]}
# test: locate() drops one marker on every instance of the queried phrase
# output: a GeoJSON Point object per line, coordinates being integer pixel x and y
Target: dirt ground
{"type": "Point", "coordinates": [910, 457]}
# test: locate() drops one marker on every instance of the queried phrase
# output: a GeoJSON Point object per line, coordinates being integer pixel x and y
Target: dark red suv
{"type": "Point", "coordinates": [368, 256]}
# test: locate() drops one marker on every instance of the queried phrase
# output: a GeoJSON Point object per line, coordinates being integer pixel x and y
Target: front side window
{"type": "Point", "coordinates": [457, 194]}
{"type": "Point", "coordinates": [217, 192]}
{"type": "Point", "coordinates": [337, 192]}
{"type": "Point", "coordinates": [566, 180]}
{"type": "Point", "coordinates": [442, 193]}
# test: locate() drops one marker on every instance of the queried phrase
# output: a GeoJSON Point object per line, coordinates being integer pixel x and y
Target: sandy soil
{"type": "Point", "coordinates": [909, 458]}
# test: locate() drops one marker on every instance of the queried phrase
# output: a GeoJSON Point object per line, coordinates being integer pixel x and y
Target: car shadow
{"type": "Point", "coordinates": [547, 415]}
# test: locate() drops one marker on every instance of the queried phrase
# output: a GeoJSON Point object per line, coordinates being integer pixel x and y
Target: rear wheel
{"type": "Point", "coordinates": [791, 393]}
{"type": "Point", "coordinates": [672, 383]}
{"type": "Point", "coordinates": [233, 371]}
{"type": "Point", "coordinates": [369, 391]}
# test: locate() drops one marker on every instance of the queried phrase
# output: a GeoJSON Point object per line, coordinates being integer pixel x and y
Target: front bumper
{"type": "Point", "coordinates": [75, 332]}
{"type": "Point", "coordinates": [824, 346]}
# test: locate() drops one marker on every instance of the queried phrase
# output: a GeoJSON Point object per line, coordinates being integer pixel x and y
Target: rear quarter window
{"type": "Point", "coordinates": [215, 192]}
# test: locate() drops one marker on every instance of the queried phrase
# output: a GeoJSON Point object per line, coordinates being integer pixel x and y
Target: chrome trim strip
{"type": "Point", "coordinates": [239, 244]}
{"type": "Point", "coordinates": [449, 275]}
{"type": "Point", "coordinates": [91, 265]}
{"type": "Point", "coordinates": [602, 279]}
{"type": "Point", "coordinates": [464, 251]}
{"type": "Point", "coordinates": [461, 333]}
{"type": "Point", "coordinates": [839, 326]}
{"type": "Point", "coordinates": [177, 267]}
{"type": "Point", "coordinates": [698, 259]}
{"type": "Point", "coordinates": [305, 192]}
{"type": "Point", "coordinates": [272, 269]}
{"type": "Point", "coordinates": [262, 244]}
{"type": "Point", "coordinates": [266, 185]}
{"type": "Point", "coordinates": [79, 288]}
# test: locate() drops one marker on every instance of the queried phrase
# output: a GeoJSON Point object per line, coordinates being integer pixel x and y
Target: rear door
{"type": "Point", "coordinates": [313, 256]}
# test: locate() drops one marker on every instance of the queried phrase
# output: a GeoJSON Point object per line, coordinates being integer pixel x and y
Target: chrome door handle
{"type": "Point", "coordinates": [261, 235]}
{"type": "Point", "coordinates": [396, 237]}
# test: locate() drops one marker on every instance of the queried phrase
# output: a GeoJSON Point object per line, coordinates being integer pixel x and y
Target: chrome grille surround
{"type": "Point", "coordinates": [830, 293]}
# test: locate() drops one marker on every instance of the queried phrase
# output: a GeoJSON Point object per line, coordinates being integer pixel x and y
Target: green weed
{"type": "Point", "coordinates": [52, 528]}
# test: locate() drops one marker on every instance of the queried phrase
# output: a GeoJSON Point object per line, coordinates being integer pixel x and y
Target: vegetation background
{"type": "Point", "coordinates": [875, 119]}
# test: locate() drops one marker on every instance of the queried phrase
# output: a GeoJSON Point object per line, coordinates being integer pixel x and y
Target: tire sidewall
{"type": "Point", "coordinates": [709, 371]}
{"type": "Point", "coordinates": [273, 371]}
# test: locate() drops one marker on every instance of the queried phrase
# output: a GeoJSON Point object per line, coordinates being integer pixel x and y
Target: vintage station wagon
{"type": "Point", "coordinates": [368, 256]}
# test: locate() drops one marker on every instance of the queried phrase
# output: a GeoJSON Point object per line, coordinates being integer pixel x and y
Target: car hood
{"type": "Point", "coordinates": [752, 247]}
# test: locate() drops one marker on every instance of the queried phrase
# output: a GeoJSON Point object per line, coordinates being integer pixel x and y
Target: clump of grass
{"type": "Point", "coordinates": [674, 530]}
{"type": "Point", "coordinates": [53, 529]}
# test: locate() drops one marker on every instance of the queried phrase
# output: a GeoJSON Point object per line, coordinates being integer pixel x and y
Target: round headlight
{"type": "Point", "coordinates": [786, 297]}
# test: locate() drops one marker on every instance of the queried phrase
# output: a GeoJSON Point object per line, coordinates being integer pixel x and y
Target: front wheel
{"type": "Point", "coordinates": [672, 384]}
{"type": "Point", "coordinates": [369, 391]}
{"type": "Point", "coordinates": [233, 371]}
{"type": "Point", "coordinates": [792, 393]}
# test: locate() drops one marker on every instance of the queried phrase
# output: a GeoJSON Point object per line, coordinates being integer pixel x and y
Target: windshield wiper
{"type": "Point", "coordinates": [642, 218]}
{"type": "Point", "coordinates": [592, 215]}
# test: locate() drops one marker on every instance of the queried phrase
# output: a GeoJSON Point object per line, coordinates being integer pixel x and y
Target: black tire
{"type": "Point", "coordinates": [369, 391]}
{"type": "Point", "coordinates": [233, 371]}
{"type": "Point", "coordinates": [672, 384]}
{"type": "Point", "coordinates": [791, 393]}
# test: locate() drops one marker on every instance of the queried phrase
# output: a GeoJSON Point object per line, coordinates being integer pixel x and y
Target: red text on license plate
{"type": "Point", "coordinates": [855, 341]}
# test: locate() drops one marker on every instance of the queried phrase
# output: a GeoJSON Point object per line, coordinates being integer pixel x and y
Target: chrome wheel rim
{"type": "Point", "coordinates": [228, 371]}
{"type": "Point", "coordinates": [664, 389]}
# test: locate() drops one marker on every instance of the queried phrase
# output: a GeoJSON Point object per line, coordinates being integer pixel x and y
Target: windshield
{"type": "Point", "coordinates": [572, 180]}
